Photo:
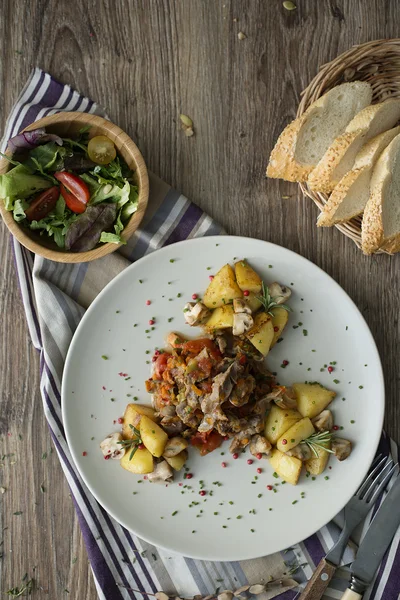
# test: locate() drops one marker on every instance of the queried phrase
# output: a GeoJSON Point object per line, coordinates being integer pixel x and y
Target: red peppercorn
{"type": "Point", "coordinates": [151, 322]}
{"type": "Point", "coordinates": [330, 369]}
{"type": "Point", "coordinates": [84, 453]}
{"type": "Point", "coordinates": [259, 455]}
{"type": "Point", "coordinates": [107, 457]}
{"type": "Point", "coordinates": [235, 456]}
{"type": "Point", "coordinates": [335, 427]}
{"type": "Point", "coordinates": [284, 442]}
{"type": "Point", "coordinates": [211, 277]}
{"type": "Point", "coordinates": [157, 353]}
{"type": "Point", "coordinates": [202, 493]}
{"type": "Point", "coordinates": [225, 438]}
{"type": "Point", "coordinates": [249, 461]}
{"type": "Point", "coordinates": [269, 487]}
{"type": "Point", "coordinates": [189, 475]}
{"type": "Point", "coordinates": [154, 359]}
{"type": "Point", "coordinates": [120, 420]}
{"type": "Point", "coordinates": [148, 302]}
{"type": "Point", "coordinates": [285, 362]}
{"type": "Point", "coordinates": [194, 296]}
{"type": "Point", "coordinates": [276, 328]}
{"type": "Point", "coordinates": [223, 465]}
{"type": "Point", "coordinates": [246, 293]}
{"type": "Point", "coordinates": [259, 470]}
{"type": "Point", "coordinates": [141, 447]}
{"type": "Point", "coordinates": [180, 484]}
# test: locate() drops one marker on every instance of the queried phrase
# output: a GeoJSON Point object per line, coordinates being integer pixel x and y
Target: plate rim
{"type": "Point", "coordinates": [202, 240]}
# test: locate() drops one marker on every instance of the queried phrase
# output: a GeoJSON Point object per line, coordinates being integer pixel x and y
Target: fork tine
{"type": "Point", "coordinates": [373, 492]}
{"type": "Point", "coordinates": [371, 477]}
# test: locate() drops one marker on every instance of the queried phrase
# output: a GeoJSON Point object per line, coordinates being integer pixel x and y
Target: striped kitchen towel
{"type": "Point", "coordinates": [55, 297]}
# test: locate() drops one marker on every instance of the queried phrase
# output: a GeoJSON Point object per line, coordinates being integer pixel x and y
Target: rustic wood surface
{"type": "Point", "coordinates": [146, 62]}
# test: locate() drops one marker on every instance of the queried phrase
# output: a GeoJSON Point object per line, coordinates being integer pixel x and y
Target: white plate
{"type": "Point", "coordinates": [331, 330]}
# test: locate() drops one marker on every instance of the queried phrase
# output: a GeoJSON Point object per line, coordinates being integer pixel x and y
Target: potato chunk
{"type": "Point", "coordinates": [279, 321]}
{"type": "Point", "coordinates": [133, 414]}
{"type": "Point", "coordinates": [221, 318]}
{"type": "Point", "coordinates": [253, 302]}
{"type": "Point", "coordinates": [278, 421]}
{"type": "Point", "coordinates": [247, 278]}
{"type": "Point", "coordinates": [141, 463]}
{"type": "Point", "coordinates": [177, 461]}
{"type": "Point", "coordinates": [312, 398]}
{"type": "Point", "coordinates": [316, 465]}
{"type": "Point", "coordinates": [287, 467]}
{"type": "Point", "coordinates": [262, 333]}
{"type": "Point", "coordinates": [153, 437]}
{"type": "Point", "coordinates": [222, 289]}
{"type": "Point", "coordinates": [296, 434]}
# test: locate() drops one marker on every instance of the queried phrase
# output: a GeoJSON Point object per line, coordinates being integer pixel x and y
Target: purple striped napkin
{"type": "Point", "coordinates": [55, 297]}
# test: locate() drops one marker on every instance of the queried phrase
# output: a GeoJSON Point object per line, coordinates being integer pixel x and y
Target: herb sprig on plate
{"type": "Point", "coordinates": [319, 441]}
{"type": "Point", "coordinates": [132, 444]}
{"type": "Point", "coordinates": [268, 302]}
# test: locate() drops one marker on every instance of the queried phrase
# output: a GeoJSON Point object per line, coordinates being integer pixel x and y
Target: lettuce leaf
{"type": "Point", "coordinates": [20, 207]}
{"type": "Point", "coordinates": [20, 183]}
{"type": "Point", "coordinates": [112, 238]}
{"type": "Point", "coordinates": [56, 223]}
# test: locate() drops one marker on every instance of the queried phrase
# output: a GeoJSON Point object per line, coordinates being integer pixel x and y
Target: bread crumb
{"type": "Point", "coordinates": [241, 35]}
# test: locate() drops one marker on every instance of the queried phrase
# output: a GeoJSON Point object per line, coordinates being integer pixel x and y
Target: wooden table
{"type": "Point", "coordinates": [146, 62]}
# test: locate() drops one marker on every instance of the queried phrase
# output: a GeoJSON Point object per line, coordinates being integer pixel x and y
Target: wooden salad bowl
{"type": "Point", "coordinates": [68, 124]}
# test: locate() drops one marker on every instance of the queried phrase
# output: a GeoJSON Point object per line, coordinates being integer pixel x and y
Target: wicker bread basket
{"type": "Point", "coordinates": [378, 63]}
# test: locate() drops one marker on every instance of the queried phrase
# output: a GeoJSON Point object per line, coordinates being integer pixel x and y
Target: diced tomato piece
{"type": "Point", "coordinates": [196, 346]}
{"type": "Point", "coordinates": [160, 365]}
{"type": "Point", "coordinates": [206, 442]}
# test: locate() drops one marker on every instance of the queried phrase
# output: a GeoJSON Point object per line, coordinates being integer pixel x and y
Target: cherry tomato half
{"type": "Point", "coordinates": [74, 191]}
{"type": "Point", "coordinates": [101, 150]}
{"type": "Point", "coordinates": [43, 204]}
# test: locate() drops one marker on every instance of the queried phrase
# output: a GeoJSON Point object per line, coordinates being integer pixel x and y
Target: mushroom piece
{"type": "Point", "coordinates": [279, 293]}
{"type": "Point", "coordinates": [241, 306]}
{"type": "Point", "coordinates": [161, 473]}
{"type": "Point", "coordinates": [174, 446]}
{"type": "Point", "coordinates": [301, 451]}
{"type": "Point", "coordinates": [323, 421]}
{"type": "Point", "coordinates": [284, 397]}
{"type": "Point", "coordinates": [221, 343]}
{"type": "Point", "coordinates": [259, 445]}
{"type": "Point", "coordinates": [195, 313]}
{"type": "Point", "coordinates": [242, 322]}
{"type": "Point", "coordinates": [111, 448]}
{"type": "Point", "coordinates": [341, 448]}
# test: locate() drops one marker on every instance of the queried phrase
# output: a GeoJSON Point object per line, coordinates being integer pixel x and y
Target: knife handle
{"type": "Point", "coordinates": [319, 581]}
{"type": "Point", "coordinates": [351, 595]}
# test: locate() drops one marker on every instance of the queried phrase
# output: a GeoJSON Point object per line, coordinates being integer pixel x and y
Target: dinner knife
{"type": "Point", "coordinates": [375, 543]}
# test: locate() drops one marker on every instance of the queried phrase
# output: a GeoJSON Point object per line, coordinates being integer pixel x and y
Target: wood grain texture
{"type": "Point", "coordinates": [319, 581]}
{"type": "Point", "coordinates": [147, 62]}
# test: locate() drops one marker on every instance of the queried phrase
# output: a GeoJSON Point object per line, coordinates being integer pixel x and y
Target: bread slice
{"type": "Point", "coordinates": [304, 141]}
{"type": "Point", "coordinates": [381, 221]}
{"type": "Point", "coordinates": [340, 156]}
{"type": "Point", "coordinates": [351, 194]}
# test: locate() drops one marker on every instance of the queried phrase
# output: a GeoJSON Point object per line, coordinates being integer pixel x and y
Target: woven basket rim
{"type": "Point", "coordinates": [365, 60]}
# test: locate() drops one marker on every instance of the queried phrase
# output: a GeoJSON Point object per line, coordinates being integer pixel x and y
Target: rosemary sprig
{"type": "Point", "coordinates": [268, 302]}
{"type": "Point", "coordinates": [132, 444]}
{"type": "Point", "coordinates": [319, 441]}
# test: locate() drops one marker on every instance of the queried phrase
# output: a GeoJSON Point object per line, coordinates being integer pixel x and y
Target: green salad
{"type": "Point", "coordinates": [78, 192]}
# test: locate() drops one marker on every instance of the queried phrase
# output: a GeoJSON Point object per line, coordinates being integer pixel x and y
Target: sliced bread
{"type": "Point", "coordinates": [339, 158]}
{"type": "Point", "coordinates": [304, 142]}
{"type": "Point", "coordinates": [351, 194]}
{"type": "Point", "coordinates": [381, 221]}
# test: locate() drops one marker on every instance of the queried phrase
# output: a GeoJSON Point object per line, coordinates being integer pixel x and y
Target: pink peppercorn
{"type": "Point", "coordinates": [284, 442]}
{"type": "Point", "coordinates": [202, 493]}
{"type": "Point", "coordinates": [211, 277]}
{"type": "Point", "coordinates": [148, 302]}
{"type": "Point", "coordinates": [157, 353]}
{"type": "Point", "coordinates": [249, 461]}
{"type": "Point", "coordinates": [84, 453]}
{"type": "Point", "coordinates": [285, 362]}
{"type": "Point", "coordinates": [335, 427]}
{"type": "Point", "coordinates": [246, 293]}
{"type": "Point", "coordinates": [259, 470]}
{"type": "Point", "coordinates": [276, 328]}
{"type": "Point", "coordinates": [189, 475]}
{"type": "Point", "coordinates": [107, 457]}
{"type": "Point", "coordinates": [269, 487]}
{"type": "Point", "coordinates": [259, 455]}
{"type": "Point", "coordinates": [120, 420]}
{"type": "Point", "coordinates": [151, 322]}
{"type": "Point", "coordinates": [194, 296]}
{"type": "Point", "coordinates": [180, 484]}
{"type": "Point", "coordinates": [154, 359]}
{"type": "Point", "coordinates": [235, 456]}
{"type": "Point", "coordinates": [223, 465]}
{"type": "Point", "coordinates": [330, 369]}
{"type": "Point", "coordinates": [141, 446]}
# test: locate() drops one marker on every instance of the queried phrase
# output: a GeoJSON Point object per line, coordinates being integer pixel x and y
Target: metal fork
{"type": "Point", "coordinates": [354, 512]}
